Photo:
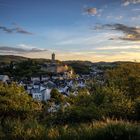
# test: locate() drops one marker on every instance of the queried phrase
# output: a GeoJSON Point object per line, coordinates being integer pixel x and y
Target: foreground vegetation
{"type": "Point", "coordinates": [100, 130]}
{"type": "Point", "coordinates": [110, 111]}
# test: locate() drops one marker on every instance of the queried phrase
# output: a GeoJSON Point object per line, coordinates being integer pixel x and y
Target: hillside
{"type": "Point", "coordinates": [13, 58]}
{"type": "Point", "coordinates": [9, 58]}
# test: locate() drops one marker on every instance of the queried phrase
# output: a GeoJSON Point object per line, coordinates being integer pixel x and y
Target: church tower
{"type": "Point", "coordinates": [53, 57]}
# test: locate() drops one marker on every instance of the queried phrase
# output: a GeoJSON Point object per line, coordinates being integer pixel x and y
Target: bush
{"type": "Point", "coordinates": [16, 106]}
{"type": "Point", "coordinates": [125, 77]}
{"type": "Point", "coordinates": [16, 103]}
{"type": "Point", "coordinates": [114, 103]}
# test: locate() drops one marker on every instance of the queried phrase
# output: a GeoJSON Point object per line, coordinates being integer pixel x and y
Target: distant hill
{"type": "Point", "coordinates": [13, 58]}
{"type": "Point", "coordinates": [86, 63]}
{"type": "Point", "coordinates": [9, 58]}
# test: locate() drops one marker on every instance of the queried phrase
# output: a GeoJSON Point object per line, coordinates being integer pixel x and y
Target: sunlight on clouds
{"type": "Point", "coordinates": [127, 2]}
{"type": "Point", "coordinates": [91, 56]}
{"type": "Point", "coordinates": [118, 47]}
{"type": "Point", "coordinates": [84, 40]}
{"type": "Point", "coordinates": [91, 11]}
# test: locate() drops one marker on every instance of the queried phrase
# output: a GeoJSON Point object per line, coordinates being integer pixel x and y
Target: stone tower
{"type": "Point", "coordinates": [53, 57]}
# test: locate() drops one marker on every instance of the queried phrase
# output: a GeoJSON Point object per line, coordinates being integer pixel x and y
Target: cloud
{"type": "Point", "coordinates": [22, 31]}
{"type": "Point", "coordinates": [30, 48]}
{"type": "Point", "coordinates": [16, 29]}
{"type": "Point", "coordinates": [11, 49]}
{"type": "Point", "coordinates": [114, 17]}
{"type": "Point", "coordinates": [127, 2]}
{"type": "Point", "coordinates": [26, 46]}
{"type": "Point", "coordinates": [5, 29]}
{"type": "Point", "coordinates": [118, 48]}
{"type": "Point", "coordinates": [130, 33]}
{"type": "Point", "coordinates": [91, 11]}
{"type": "Point", "coordinates": [17, 50]}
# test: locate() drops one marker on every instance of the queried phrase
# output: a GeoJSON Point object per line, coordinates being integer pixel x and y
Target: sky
{"type": "Point", "coordinates": [93, 30]}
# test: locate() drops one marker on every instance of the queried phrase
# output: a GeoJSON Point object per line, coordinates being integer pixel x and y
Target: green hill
{"type": "Point", "coordinates": [9, 58]}
{"type": "Point", "coordinates": [13, 58]}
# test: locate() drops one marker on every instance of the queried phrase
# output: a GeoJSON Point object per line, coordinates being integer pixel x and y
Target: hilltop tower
{"type": "Point", "coordinates": [53, 57]}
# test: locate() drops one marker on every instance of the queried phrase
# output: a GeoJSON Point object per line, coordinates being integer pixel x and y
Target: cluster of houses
{"type": "Point", "coordinates": [40, 88]}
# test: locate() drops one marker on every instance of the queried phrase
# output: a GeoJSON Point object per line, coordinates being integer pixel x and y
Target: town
{"type": "Point", "coordinates": [59, 76]}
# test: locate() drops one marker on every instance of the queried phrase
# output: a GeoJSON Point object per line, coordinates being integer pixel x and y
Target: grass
{"type": "Point", "coordinates": [100, 130]}
{"type": "Point", "coordinates": [110, 130]}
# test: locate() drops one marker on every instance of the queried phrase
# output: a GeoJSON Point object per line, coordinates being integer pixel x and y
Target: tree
{"type": "Point", "coordinates": [114, 103]}
{"type": "Point", "coordinates": [56, 96]}
{"type": "Point", "coordinates": [125, 77]}
{"type": "Point", "coordinates": [16, 103]}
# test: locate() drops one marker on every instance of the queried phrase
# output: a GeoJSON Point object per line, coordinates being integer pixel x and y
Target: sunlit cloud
{"type": "Point", "coordinates": [127, 2]}
{"type": "Point", "coordinates": [130, 33]}
{"type": "Point", "coordinates": [119, 47]}
{"type": "Point", "coordinates": [91, 11]}
{"type": "Point", "coordinates": [91, 56]}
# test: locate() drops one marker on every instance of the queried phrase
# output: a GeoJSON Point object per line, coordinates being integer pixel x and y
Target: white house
{"type": "Point", "coordinates": [45, 78]}
{"type": "Point", "coordinates": [47, 94]}
{"type": "Point", "coordinates": [35, 79]}
{"type": "Point", "coordinates": [39, 92]}
{"type": "Point", "coordinates": [4, 78]}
